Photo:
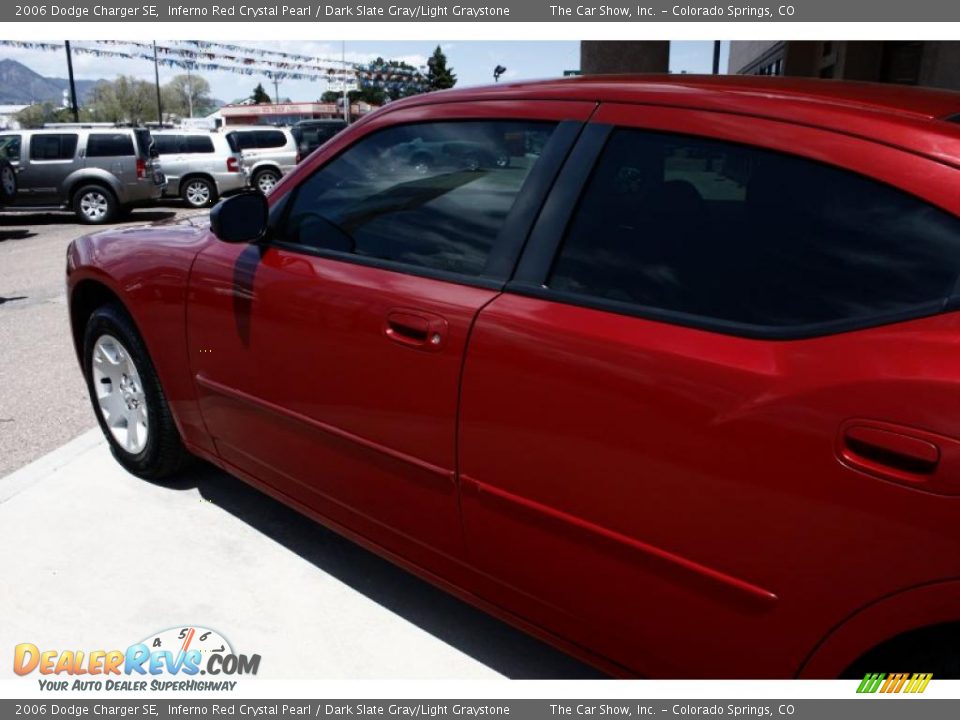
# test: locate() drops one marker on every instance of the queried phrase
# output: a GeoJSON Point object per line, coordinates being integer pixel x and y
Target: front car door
{"type": "Point", "coordinates": [328, 359]}
{"type": "Point", "coordinates": [696, 429]}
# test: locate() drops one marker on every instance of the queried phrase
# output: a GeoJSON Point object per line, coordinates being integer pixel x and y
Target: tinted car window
{"type": "Point", "coordinates": [270, 139]}
{"type": "Point", "coordinates": [53, 147]}
{"type": "Point", "coordinates": [199, 144]}
{"type": "Point", "coordinates": [243, 140]}
{"type": "Point", "coordinates": [432, 195]}
{"type": "Point", "coordinates": [10, 147]}
{"type": "Point", "coordinates": [168, 144]}
{"type": "Point", "coordinates": [109, 145]}
{"type": "Point", "coordinates": [739, 234]}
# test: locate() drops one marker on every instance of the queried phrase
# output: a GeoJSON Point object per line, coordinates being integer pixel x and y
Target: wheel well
{"type": "Point", "coordinates": [203, 176]}
{"type": "Point", "coordinates": [271, 168]}
{"type": "Point", "coordinates": [86, 297]}
{"type": "Point", "coordinates": [84, 183]}
{"type": "Point", "coordinates": [926, 646]}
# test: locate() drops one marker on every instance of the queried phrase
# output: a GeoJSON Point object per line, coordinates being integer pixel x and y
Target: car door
{"type": "Point", "coordinates": [328, 358]}
{"type": "Point", "coordinates": [115, 153]}
{"type": "Point", "coordinates": [173, 158]}
{"type": "Point", "coordinates": [51, 157]}
{"type": "Point", "coordinates": [717, 392]}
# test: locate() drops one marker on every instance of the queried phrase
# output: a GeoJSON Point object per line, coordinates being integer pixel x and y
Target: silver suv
{"type": "Point", "coordinates": [200, 166]}
{"type": "Point", "coordinates": [98, 172]}
{"type": "Point", "coordinates": [269, 153]}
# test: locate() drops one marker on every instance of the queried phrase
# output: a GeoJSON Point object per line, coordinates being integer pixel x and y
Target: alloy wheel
{"type": "Point", "coordinates": [197, 193]}
{"type": "Point", "coordinates": [94, 205]}
{"type": "Point", "coordinates": [120, 395]}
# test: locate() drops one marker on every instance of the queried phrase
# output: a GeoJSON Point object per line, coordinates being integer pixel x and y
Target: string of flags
{"type": "Point", "coordinates": [204, 57]}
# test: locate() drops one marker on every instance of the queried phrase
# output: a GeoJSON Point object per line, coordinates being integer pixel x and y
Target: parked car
{"type": "Point", "coordinates": [98, 172]}
{"type": "Point", "coordinates": [675, 389]}
{"type": "Point", "coordinates": [199, 166]}
{"type": "Point", "coordinates": [8, 182]}
{"type": "Point", "coordinates": [311, 134]}
{"type": "Point", "coordinates": [268, 153]}
{"type": "Point", "coordinates": [465, 154]}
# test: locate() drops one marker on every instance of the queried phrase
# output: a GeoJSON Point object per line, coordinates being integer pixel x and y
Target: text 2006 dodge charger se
{"type": "Point", "coordinates": [665, 371]}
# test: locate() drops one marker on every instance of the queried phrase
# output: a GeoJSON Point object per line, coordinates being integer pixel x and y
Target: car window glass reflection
{"type": "Point", "coordinates": [431, 195]}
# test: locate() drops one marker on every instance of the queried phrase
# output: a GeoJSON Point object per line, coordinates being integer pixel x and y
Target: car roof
{"type": "Point", "coordinates": [717, 90]}
{"type": "Point", "coordinates": [914, 119]}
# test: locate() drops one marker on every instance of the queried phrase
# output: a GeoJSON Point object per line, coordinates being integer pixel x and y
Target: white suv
{"type": "Point", "coordinates": [268, 153]}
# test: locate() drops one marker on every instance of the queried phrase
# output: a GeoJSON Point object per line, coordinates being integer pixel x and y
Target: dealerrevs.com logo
{"type": "Point", "coordinates": [173, 659]}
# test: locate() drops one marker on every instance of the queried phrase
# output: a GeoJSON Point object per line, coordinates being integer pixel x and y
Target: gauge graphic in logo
{"type": "Point", "coordinates": [180, 640]}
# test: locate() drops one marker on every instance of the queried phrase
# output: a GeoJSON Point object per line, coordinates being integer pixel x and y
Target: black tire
{"type": "Point", "coordinates": [163, 453]}
{"type": "Point", "coordinates": [265, 174]}
{"type": "Point", "coordinates": [95, 205]}
{"type": "Point", "coordinates": [8, 183]}
{"type": "Point", "coordinates": [931, 649]}
{"type": "Point", "coordinates": [193, 190]}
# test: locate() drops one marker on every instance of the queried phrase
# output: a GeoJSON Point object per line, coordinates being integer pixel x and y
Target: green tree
{"type": "Point", "coordinates": [36, 116]}
{"type": "Point", "coordinates": [260, 96]}
{"type": "Point", "coordinates": [124, 100]}
{"type": "Point", "coordinates": [187, 96]}
{"type": "Point", "coordinates": [411, 82]}
{"type": "Point", "coordinates": [439, 76]}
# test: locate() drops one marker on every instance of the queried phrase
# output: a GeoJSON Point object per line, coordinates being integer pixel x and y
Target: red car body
{"type": "Point", "coordinates": [659, 499]}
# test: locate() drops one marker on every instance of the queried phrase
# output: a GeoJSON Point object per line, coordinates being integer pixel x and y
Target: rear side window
{"type": "Point", "coordinates": [243, 140]}
{"type": "Point", "coordinates": [53, 147]}
{"type": "Point", "coordinates": [10, 147]}
{"type": "Point", "coordinates": [109, 145]}
{"type": "Point", "coordinates": [266, 139]}
{"type": "Point", "coordinates": [145, 142]}
{"type": "Point", "coordinates": [168, 144]}
{"type": "Point", "coordinates": [736, 234]}
{"type": "Point", "coordinates": [199, 144]}
{"type": "Point", "coordinates": [431, 195]}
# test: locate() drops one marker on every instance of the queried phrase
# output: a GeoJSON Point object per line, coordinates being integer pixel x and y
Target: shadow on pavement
{"type": "Point", "coordinates": [53, 217]}
{"type": "Point", "coordinates": [473, 632]}
{"type": "Point", "coordinates": [15, 235]}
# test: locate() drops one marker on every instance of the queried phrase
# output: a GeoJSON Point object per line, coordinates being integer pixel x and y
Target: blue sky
{"type": "Point", "coordinates": [472, 61]}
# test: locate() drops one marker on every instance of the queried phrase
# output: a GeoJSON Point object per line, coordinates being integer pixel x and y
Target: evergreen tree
{"type": "Point", "coordinates": [260, 96]}
{"type": "Point", "coordinates": [439, 76]}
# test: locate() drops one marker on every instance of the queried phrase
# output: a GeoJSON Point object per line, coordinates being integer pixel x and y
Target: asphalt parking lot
{"type": "Point", "coordinates": [93, 557]}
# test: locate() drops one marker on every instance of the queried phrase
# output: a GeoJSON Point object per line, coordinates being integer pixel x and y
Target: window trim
{"type": "Point", "coordinates": [512, 237]}
{"type": "Point", "coordinates": [547, 237]}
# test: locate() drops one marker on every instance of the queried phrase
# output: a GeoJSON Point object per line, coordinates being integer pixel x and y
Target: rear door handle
{"type": "Point", "coordinates": [905, 455]}
{"type": "Point", "coordinates": [416, 329]}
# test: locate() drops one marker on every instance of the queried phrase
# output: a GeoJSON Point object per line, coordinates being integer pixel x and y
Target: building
{"type": "Point", "coordinates": [605, 57]}
{"type": "Point", "coordinates": [286, 113]}
{"type": "Point", "coordinates": [8, 116]}
{"type": "Point", "coordinates": [907, 62]}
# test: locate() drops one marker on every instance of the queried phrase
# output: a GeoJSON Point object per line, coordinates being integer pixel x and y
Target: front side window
{"type": "Point", "coordinates": [10, 147]}
{"type": "Point", "coordinates": [53, 147]}
{"type": "Point", "coordinates": [430, 195]}
{"type": "Point", "coordinates": [109, 145]}
{"type": "Point", "coordinates": [743, 235]}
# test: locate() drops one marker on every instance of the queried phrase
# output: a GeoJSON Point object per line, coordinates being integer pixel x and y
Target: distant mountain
{"type": "Point", "coordinates": [19, 85]}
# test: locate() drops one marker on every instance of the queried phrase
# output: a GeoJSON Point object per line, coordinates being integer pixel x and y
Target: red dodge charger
{"type": "Point", "coordinates": [663, 370]}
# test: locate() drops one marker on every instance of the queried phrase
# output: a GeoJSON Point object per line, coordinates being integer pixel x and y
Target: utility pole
{"type": "Point", "coordinates": [276, 88]}
{"type": "Point", "coordinates": [73, 86]}
{"type": "Point", "coordinates": [716, 57]}
{"type": "Point", "coordinates": [189, 89]}
{"type": "Point", "coordinates": [346, 100]}
{"type": "Point", "coordinates": [156, 79]}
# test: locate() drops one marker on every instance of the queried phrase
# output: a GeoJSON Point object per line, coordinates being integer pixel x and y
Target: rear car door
{"type": "Point", "coordinates": [328, 359]}
{"type": "Point", "coordinates": [115, 153]}
{"type": "Point", "coordinates": [51, 157]}
{"type": "Point", "coordinates": [719, 390]}
{"type": "Point", "coordinates": [173, 159]}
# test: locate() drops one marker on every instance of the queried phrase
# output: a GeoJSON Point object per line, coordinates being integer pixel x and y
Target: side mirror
{"type": "Point", "coordinates": [240, 218]}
